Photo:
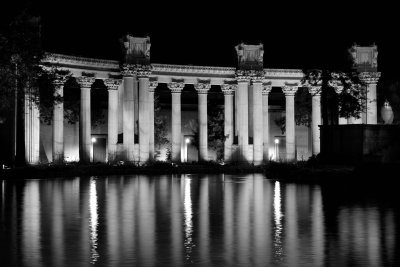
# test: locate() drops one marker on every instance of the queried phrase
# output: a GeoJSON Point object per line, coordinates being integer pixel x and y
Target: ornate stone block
{"type": "Point", "coordinates": [176, 87]}
{"type": "Point", "coordinates": [370, 77]}
{"type": "Point", "coordinates": [112, 84]}
{"type": "Point", "coordinates": [85, 82]}
{"type": "Point", "coordinates": [290, 89]}
{"type": "Point", "coordinates": [202, 87]}
{"type": "Point", "coordinates": [228, 89]}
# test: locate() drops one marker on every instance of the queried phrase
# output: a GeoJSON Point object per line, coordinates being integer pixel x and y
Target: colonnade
{"type": "Point", "coordinates": [138, 79]}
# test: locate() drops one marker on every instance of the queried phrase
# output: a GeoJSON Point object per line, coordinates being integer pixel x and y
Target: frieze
{"type": "Point", "coordinates": [80, 61]}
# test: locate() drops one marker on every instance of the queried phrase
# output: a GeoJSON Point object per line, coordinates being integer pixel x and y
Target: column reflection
{"type": "Point", "coordinates": [93, 221]}
{"type": "Point", "coordinates": [278, 249]}
{"type": "Point", "coordinates": [188, 219]}
{"type": "Point", "coordinates": [31, 244]}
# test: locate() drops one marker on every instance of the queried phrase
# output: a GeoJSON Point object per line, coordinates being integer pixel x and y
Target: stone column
{"type": "Point", "coordinates": [257, 120]}
{"type": "Point", "coordinates": [242, 114]}
{"type": "Point", "coordinates": [143, 73]}
{"type": "Point", "coordinates": [112, 136]}
{"type": "Point", "coordinates": [315, 92]}
{"type": "Point", "coordinates": [32, 129]}
{"type": "Point", "coordinates": [58, 120]}
{"type": "Point", "coordinates": [152, 87]}
{"type": "Point", "coordinates": [176, 131]}
{"type": "Point", "coordinates": [265, 93]}
{"type": "Point", "coordinates": [338, 90]}
{"type": "Point", "coordinates": [290, 90]}
{"type": "Point", "coordinates": [85, 130]}
{"type": "Point", "coordinates": [202, 90]}
{"type": "Point", "coordinates": [371, 79]}
{"type": "Point", "coordinates": [128, 117]}
{"type": "Point", "coordinates": [228, 90]}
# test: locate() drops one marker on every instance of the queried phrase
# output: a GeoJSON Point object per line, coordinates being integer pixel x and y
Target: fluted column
{"type": "Point", "coordinates": [176, 131]}
{"type": "Point", "coordinates": [143, 73]}
{"type": "Point", "coordinates": [228, 90]}
{"type": "Point", "coordinates": [58, 120]}
{"type": "Point", "coordinates": [257, 120]}
{"type": "Point", "coordinates": [128, 111]}
{"type": "Point", "coordinates": [290, 90]}
{"type": "Point", "coordinates": [265, 93]}
{"type": "Point", "coordinates": [242, 114]}
{"type": "Point", "coordinates": [202, 90]}
{"type": "Point", "coordinates": [32, 128]}
{"type": "Point", "coordinates": [371, 79]}
{"type": "Point", "coordinates": [315, 92]}
{"type": "Point", "coordinates": [338, 90]}
{"type": "Point", "coordinates": [85, 130]}
{"type": "Point", "coordinates": [112, 136]}
{"type": "Point", "coordinates": [152, 87]}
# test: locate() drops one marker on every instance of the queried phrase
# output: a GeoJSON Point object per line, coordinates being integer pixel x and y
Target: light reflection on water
{"type": "Point", "coordinates": [194, 220]}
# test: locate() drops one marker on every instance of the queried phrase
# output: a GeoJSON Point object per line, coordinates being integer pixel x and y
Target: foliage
{"type": "Point", "coordinates": [349, 103]}
{"type": "Point", "coordinates": [160, 128]}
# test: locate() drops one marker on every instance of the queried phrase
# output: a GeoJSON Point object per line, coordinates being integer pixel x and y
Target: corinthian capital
{"type": "Point", "coordinates": [153, 85]}
{"type": "Point", "coordinates": [314, 90]}
{"type": "Point", "coordinates": [176, 87]}
{"type": "Point", "coordinates": [370, 77]}
{"type": "Point", "coordinates": [202, 87]}
{"type": "Point", "coordinates": [112, 84]}
{"type": "Point", "coordinates": [290, 89]}
{"type": "Point", "coordinates": [143, 71]}
{"type": "Point", "coordinates": [267, 87]}
{"type": "Point", "coordinates": [228, 89]}
{"type": "Point", "coordinates": [85, 82]}
{"type": "Point", "coordinates": [128, 70]}
{"type": "Point", "coordinates": [59, 80]}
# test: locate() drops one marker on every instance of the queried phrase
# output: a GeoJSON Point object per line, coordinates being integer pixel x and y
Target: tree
{"type": "Point", "coordinates": [20, 75]}
{"type": "Point", "coordinates": [351, 98]}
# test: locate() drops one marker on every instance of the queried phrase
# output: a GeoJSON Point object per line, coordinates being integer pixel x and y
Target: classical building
{"type": "Point", "coordinates": [131, 85]}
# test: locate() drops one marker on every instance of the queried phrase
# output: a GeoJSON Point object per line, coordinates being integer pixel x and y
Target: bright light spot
{"type": "Point", "coordinates": [187, 140]}
{"type": "Point", "coordinates": [93, 139]}
{"type": "Point", "coordinates": [278, 221]}
{"type": "Point", "coordinates": [276, 141]}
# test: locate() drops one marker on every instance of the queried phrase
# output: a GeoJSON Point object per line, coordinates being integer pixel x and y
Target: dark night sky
{"type": "Point", "coordinates": [205, 33]}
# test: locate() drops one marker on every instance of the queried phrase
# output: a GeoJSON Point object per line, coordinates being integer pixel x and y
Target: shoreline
{"type": "Point", "coordinates": [302, 172]}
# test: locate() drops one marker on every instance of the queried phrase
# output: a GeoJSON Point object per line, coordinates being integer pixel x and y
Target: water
{"type": "Point", "coordinates": [196, 220]}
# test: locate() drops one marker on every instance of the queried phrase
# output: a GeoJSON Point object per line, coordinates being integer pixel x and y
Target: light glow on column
{"type": "Point", "coordinates": [93, 221]}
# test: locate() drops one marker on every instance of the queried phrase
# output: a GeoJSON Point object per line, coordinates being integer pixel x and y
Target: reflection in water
{"type": "Point", "coordinates": [191, 220]}
{"type": "Point", "coordinates": [187, 204]}
{"type": "Point", "coordinates": [31, 243]}
{"type": "Point", "coordinates": [93, 221]}
{"type": "Point", "coordinates": [278, 249]}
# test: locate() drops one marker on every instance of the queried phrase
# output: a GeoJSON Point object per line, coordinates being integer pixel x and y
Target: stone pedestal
{"type": "Point", "coordinates": [202, 90]}
{"type": "Point", "coordinates": [290, 91]}
{"type": "Point", "coordinates": [85, 130]}
{"type": "Point", "coordinates": [176, 131]}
